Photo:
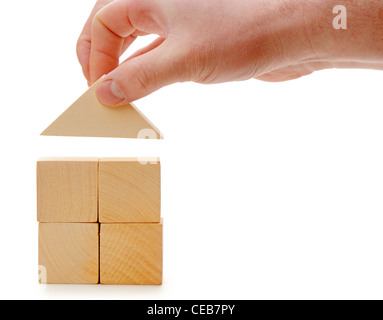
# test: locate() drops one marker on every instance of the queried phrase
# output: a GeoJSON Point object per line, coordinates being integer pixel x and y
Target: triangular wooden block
{"type": "Point", "coordinates": [87, 117]}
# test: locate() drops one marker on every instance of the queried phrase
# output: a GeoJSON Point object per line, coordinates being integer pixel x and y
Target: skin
{"type": "Point", "coordinates": [215, 41]}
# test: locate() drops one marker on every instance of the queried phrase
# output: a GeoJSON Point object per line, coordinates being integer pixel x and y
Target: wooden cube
{"type": "Point", "coordinates": [129, 190]}
{"type": "Point", "coordinates": [67, 190]}
{"type": "Point", "coordinates": [131, 254]}
{"type": "Point", "coordinates": [69, 252]}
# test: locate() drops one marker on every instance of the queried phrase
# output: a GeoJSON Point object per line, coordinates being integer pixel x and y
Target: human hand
{"type": "Point", "coordinates": [210, 41]}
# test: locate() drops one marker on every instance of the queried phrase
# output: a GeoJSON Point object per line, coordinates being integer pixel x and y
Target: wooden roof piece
{"type": "Point", "coordinates": [87, 117]}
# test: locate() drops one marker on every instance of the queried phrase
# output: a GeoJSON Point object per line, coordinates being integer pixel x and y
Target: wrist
{"type": "Point", "coordinates": [302, 32]}
{"type": "Point", "coordinates": [359, 39]}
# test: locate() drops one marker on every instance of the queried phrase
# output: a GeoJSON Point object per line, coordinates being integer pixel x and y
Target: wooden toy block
{"type": "Point", "coordinates": [69, 252]}
{"type": "Point", "coordinates": [87, 117]}
{"type": "Point", "coordinates": [131, 254]}
{"type": "Point", "coordinates": [67, 190]}
{"type": "Point", "coordinates": [129, 190]}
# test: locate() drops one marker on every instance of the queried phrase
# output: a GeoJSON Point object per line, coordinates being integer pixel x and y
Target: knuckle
{"type": "Point", "coordinates": [98, 17]}
{"type": "Point", "coordinates": [144, 81]}
{"type": "Point", "coordinates": [82, 44]}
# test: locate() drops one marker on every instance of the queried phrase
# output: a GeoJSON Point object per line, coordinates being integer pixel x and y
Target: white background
{"type": "Point", "coordinates": [270, 191]}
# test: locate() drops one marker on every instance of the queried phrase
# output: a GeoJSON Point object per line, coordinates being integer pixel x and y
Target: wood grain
{"type": "Point", "coordinates": [67, 190]}
{"type": "Point", "coordinates": [69, 252]}
{"type": "Point", "coordinates": [87, 117]}
{"type": "Point", "coordinates": [129, 191]}
{"type": "Point", "coordinates": [131, 254]}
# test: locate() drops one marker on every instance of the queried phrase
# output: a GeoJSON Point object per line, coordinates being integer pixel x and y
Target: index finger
{"type": "Point", "coordinates": [84, 41]}
{"type": "Point", "coordinates": [119, 20]}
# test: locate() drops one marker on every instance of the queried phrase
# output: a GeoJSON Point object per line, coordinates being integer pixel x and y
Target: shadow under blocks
{"type": "Point", "coordinates": [100, 221]}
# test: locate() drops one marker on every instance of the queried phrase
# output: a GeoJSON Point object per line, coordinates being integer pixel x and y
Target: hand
{"type": "Point", "coordinates": [213, 41]}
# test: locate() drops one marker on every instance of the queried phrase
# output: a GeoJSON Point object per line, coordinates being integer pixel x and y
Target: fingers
{"type": "Point", "coordinates": [84, 41]}
{"type": "Point", "coordinates": [142, 75]}
{"type": "Point", "coordinates": [115, 22]}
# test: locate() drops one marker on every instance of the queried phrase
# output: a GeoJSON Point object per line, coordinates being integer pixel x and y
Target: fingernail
{"type": "Point", "coordinates": [108, 93]}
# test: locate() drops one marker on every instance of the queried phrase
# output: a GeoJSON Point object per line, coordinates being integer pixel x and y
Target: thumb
{"type": "Point", "coordinates": [143, 74]}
